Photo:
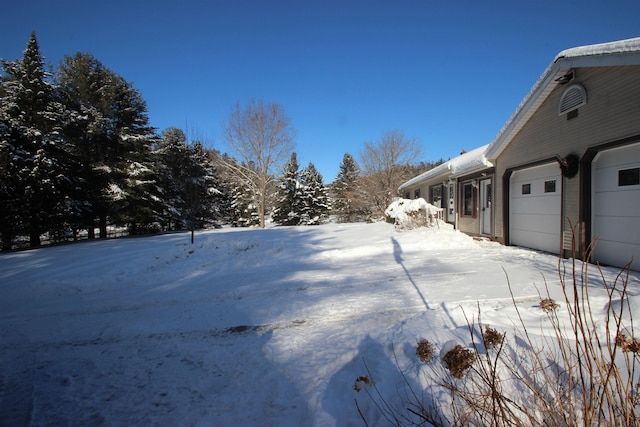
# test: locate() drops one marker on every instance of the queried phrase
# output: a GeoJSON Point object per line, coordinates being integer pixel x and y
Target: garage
{"type": "Point", "coordinates": [535, 203]}
{"type": "Point", "coordinates": [615, 206]}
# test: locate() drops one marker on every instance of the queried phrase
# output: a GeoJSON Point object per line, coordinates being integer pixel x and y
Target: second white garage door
{"type": "Point", "coordinates": [535, 203]}
{"type": "Point", "coordinates": [616, 206]}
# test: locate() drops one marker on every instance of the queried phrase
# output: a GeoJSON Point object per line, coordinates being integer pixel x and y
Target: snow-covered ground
{"type": "Point", "coordinates": [249, 327]}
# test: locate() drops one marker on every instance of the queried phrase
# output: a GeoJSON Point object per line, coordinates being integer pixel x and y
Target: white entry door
{"type": "Point", "coordinates": [535, 203]}
{"type": "Point", "coordinates": [485, 208]}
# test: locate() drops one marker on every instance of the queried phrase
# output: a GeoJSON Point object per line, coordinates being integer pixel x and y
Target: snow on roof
{"type": "Point", "coordinates": [471, 161]}
{"type": "Point", "coordinates": [464, 163]}
{"type": "Point", "coordinates": [543, 86]}
{"type": "Point", "coordinates": [620, 46]}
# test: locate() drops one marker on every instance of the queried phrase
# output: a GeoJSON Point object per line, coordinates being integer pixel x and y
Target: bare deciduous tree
{"type": "Point", "coordinates": [262, 137]}
{"type": "Point", "coordinates": [386, 164]}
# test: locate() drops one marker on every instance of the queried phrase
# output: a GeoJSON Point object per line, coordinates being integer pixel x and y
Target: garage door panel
{"type": "Point", "coordinates": [548, 242]}
{"type": "Point", "coordinates": [536, 223]}
{"type": "Point", "coordinates": [617, 254]}
{"type": "Point", "coordinates": [538, 173]}
{"type": "Point", "coordinates": [619, 157]}
{"type": "Point", "coordinates": [536, 205]}
{"type": "Point", "coordinates": [617, 203]}
{"type": "Point", "coordinates": [623, 229]}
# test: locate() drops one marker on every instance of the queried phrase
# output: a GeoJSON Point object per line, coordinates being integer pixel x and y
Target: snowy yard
{"type": "Point", "coordinates": [249, 327]}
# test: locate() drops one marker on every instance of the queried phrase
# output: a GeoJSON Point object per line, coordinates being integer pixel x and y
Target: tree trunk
{"type": "Point", "coordinates": [34, 236]}
{"type": "Point", "coordinates": [103, 226]}
{"type": "Point", "coordinates": [91, 230]}
{"type": "Point", "coordinates": [7, 238]}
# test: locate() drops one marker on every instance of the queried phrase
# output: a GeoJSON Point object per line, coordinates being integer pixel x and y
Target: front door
{"type": "Point", "coordinates": [485, 208]}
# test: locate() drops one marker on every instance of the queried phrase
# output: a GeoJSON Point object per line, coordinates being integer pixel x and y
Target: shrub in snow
{"type": "Point", "coordinates": [492, 338]}
{"type": "Point", "coordinates": [362, 382]}
{"type": "Point", "coordinates": [456, 358]}
{"type": "Point", "coordinates": [408, 214]}
{"type": "Point", "coordinates": [548, 305]}
{"type": "Point", "coordinates": [425, 351]}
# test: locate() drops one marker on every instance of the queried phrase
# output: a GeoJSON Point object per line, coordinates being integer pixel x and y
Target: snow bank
{"type": "Point", "coordinates": [413, 213]}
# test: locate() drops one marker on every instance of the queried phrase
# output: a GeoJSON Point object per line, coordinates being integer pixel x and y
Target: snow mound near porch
{"type": "Point", "coordinates": [408, 214]}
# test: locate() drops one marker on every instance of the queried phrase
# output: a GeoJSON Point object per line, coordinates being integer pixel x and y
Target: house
{"type": "Point", "coordinates": [566, 165]}
{"type": "Point", "coordinates": [463, 187]}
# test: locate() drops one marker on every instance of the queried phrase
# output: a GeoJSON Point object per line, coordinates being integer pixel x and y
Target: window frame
{"type": "Point", "coordinates": [633, 173]}
{"type": "Point", "coordinates": [468, 201]}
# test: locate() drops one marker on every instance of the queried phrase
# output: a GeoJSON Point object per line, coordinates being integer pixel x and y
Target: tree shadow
{"type": "Point", "coordinates": [397, 254]}
{"type": "Point", "coordinates": [382, 393]}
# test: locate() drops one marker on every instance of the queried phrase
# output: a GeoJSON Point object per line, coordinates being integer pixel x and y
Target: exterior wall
{"type": "Point", "coordinates": [612, 113]}
{"type": "Point", "coordinates": [470, 224]}
{"type": "Point", "coordinates": [411, 191]}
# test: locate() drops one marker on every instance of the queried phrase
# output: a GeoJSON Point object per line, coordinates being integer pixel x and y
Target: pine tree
{"type": "Point", "coordinates": [347, 201]}
{"type": "Point", "coordinates": [202, 195]}
{"type": "Point", "coordinates": [288, 205]}
{"type": "Point", "coordinates": [112, 136]}
{"type": "Point", "coordinates": [315, 200]}
{"type": "Point", "coordinates": [243, 211]}
{"type": "Point", "coordinates": [171, 155]}
{"type": "Point", "coordinates": [224, 210]}
{"type": "Point", "coordinates": [86, 88]}
{"type": "Point", "coordinates": [34, 159]}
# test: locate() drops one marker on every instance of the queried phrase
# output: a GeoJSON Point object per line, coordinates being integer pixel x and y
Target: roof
{"type": "Point", "coordinates": [623, 52]}
{"type": "Point", "coordinates": [469, 162]}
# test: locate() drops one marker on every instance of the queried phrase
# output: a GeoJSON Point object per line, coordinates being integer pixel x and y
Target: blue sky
{"type": "Point", "coordinates": [447, 73]}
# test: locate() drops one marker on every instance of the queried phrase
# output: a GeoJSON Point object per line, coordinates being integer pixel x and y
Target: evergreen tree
{"type": "Point", "coordinates": [224, 209]}
{"type": "Point", "coordinates": [347, 201]}
{"type": "Point", "coordinates": [289, 204]}
{"type": "Point", "coordinates": [86, 89]}
{"type": "Point", "coordinates": [202, 196]}
{"type": "Point", "coordinates": [112, 137]}
{"type": "Point", "coordinates": [187, 181]}
{"type": "Point", "coordinates": [171, 155]}
{"type": "Point", "coordinates": [35, 164]}
{"type": "Point", "coordinates": [315, 200]}
{"type": "Point", "coordinates": [244, 211]}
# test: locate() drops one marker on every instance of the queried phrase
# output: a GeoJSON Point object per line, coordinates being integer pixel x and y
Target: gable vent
{"type": "Point", "coordinates": [574, 97]}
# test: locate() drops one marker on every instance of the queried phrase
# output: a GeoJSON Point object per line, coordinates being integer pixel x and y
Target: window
{"type": "Point", "coordinates": [550, 186]}
{"type": "Point", "coordinates": [467, 199]}
{"type": "Point", "coordinates": [526, 188]}
{"type": "Point", "coordinates": [628, 177]}
{"type": "Point", "coordinates": [488, 196]}
{"type": "Point", "coordinates": [436, 196]}
{"type": "Point", "coordinates": [416, 194]}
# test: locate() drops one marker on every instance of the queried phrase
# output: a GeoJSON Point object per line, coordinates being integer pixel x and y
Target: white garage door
{"type": "Point", "coordinates": [615, 206]}
{"type": "Point", "coordinates": [535, 208]}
